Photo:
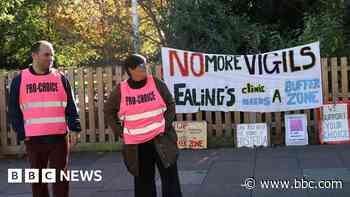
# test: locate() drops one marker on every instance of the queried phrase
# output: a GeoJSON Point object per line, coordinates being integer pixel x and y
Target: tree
{"type": "Point", "coordinates": [99, 32]}
{"type": "Point", "coordinates": [347, 26]}
{"type": "Point", "coordinates": [326, 25]}
{"type": "Point", "coordinates": [248, 26]}
{"type": "Point", "coordinates": [20, 26]}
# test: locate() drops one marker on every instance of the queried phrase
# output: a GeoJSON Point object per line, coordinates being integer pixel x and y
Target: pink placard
{"type": "Point", "coordinates": [296, 125]}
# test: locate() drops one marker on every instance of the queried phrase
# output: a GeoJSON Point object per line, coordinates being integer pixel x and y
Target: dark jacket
{"type": "Point", "coordinates": [166, 144]}
{"type": "Point", "coordinates": [16, 116]}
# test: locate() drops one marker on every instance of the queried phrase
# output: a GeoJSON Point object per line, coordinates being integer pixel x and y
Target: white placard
{"type": "Point", "coordinates": [250, 135]}
{"type": "Point", "coordinates": [335, 126]}
{"type": "Point", "coordinates": [296, 129]}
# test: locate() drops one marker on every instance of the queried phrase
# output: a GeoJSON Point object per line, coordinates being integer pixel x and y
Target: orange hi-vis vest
{"type": "Point", "coordinates": [43, 100]}
{"type": "Point", "coordinates": [141, 112]}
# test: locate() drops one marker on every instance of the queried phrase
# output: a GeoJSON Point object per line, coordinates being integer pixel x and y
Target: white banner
{"type": "Point", "coordinates": [335, 125]}
{"type": "Point", "coordinates": [250, 135]}
{"type": "Point", "coordinates": [296, 129]}
{"type": "Point", "coordinates": [283, 80]}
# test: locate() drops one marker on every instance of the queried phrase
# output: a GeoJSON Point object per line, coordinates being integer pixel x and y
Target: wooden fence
{"type": "Point", "coordinates": [92, 86]}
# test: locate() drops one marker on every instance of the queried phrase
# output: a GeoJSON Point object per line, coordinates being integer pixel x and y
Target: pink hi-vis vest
{"type": "Point", "coordinates": [141, 112]}
{"type": "Point", "coordinates": [43, 100]}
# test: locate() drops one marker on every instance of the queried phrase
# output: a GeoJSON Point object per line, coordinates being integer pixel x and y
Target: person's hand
{"type": "Point", "coordinates": [22, 149]}
{"type": "Point", "coordinates": [119, 131]}
{"type": "Point", "coordinates": [74, 138]}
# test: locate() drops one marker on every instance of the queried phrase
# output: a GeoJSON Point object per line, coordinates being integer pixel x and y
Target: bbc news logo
{"type": "Point", "coordinates": [49, 175]}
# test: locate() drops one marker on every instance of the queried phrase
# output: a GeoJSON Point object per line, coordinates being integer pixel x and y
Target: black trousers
{"type": "Point", "coordinates": [39, 156]}
{"type": "Point", "coordinates": [145, 185]}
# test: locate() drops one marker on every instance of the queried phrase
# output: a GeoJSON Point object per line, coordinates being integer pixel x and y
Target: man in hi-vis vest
{"type": "Point", "coordinates": [42, 110]}
{"type": "Point", "coordinates": [141, 111]}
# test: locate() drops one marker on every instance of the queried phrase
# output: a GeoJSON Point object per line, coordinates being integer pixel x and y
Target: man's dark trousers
{"type": "Point", "coordinates": [49, 155]}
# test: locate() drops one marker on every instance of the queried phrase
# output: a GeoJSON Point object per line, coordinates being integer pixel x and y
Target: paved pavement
{"type": "Point", "coordinates": [214, 172]}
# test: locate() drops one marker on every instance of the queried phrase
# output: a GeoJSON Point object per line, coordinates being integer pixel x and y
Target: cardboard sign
{"type": "Point", "coordinates": [191, 134]}
{"type": "Point", "coordinates": [296, 129]}
{"type": "Point", "coordinates": [334, 123]}
{"type": "Point", "coordinates": [250, 135]}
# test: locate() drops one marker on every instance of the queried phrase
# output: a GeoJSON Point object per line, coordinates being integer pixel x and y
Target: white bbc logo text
{"type": "Point", "coordinates": [14, 175]}
{"type": "Point", "coordinates": [50, 175]}
{"type": "Point", "coordinates": [31, 175]}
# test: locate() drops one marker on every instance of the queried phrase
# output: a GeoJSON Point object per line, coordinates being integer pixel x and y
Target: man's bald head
{"type": "Point", "coordinates": [36, 46]}
{"type": "Point", "coordinates": [42, 54]}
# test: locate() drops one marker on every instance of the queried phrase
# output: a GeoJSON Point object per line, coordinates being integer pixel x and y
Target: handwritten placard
{"type": "Point", "coordinates": [283, 80]}
{"type": "Point", "coordinates": [250, 135]}
{"type": "Point", "coordinates": [191, 134]}
{"type": "Point", "coordinates": [335, 123]}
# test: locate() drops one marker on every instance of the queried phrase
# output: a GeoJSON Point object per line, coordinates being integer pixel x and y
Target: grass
{"type": "Point", "coordinates": [3, 72]}
{"type": "Point", "coordinates": [220, 142]}
{"type": "Point", "coordinates": [213, 142]}
{"type": "Point", "coordinates": [97, 147]}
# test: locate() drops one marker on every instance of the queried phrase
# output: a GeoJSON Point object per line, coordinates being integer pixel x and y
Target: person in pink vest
{"type": "Point", "coordinates": [141, 110]}
{"type": "Point", "coordinates": [42, 110]}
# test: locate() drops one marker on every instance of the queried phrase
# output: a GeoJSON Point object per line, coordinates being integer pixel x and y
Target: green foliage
{"type": "Point", "coordinates": [6, 9]}
{"type": "Point", "coordinates": [327, 27]}
{"type": "Point", "coordinates": [17, 34]}
{"type": "Point", "coordinates": [98, 32]}
{"type": "Point", "coordinates": [74, 55]}
{"type": "Point", "coordinates": [256, 26]}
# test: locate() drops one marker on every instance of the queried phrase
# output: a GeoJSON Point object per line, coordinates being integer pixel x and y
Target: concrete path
{"type": "Point", "coordinates": [216, 173]}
